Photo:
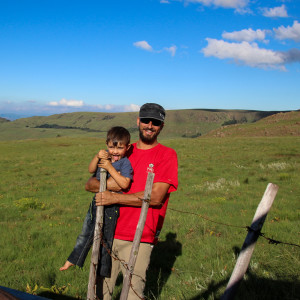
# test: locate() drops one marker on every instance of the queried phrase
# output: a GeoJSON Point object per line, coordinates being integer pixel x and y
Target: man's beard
{"type": "Point", "coordinates": [148, 139]}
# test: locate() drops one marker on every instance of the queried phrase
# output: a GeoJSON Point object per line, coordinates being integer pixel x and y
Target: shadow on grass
{"type": "Point", "coordinates": [255, 288]}
{"type": "Point", "coordinates": [211, 291]}
{"type": "Point", "coordinates": [163, 257]}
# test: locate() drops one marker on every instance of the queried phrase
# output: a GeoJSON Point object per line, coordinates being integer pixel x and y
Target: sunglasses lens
{"type": "Point", "coordinates": [154, 121]}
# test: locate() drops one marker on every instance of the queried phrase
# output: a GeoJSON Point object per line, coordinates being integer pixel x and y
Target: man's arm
{"type": "Point", "coordinates": [158, 195]}
{"type": "Point", "coordinates": [93, 185]}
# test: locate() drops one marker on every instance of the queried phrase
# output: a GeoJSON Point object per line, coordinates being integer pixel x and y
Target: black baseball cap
{"type": "Point", "coordinates": [153, 111]}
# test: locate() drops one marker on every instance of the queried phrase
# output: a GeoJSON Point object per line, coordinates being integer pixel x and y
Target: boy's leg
{"type": "Point", "coordinates": [85, 239]}
{"type": "Point", "coordinates": [66, 266]}
{"type": "Point", "coordinates": [110, 218]}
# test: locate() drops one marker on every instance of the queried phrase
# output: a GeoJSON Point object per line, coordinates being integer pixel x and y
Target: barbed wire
{"type": "Point", "coordinates": [271, 241]}
{"type": "Point", "coordinates": [258, 232]}
{"type": "Point", "coordinates": [122, 262]}
{"type": "Point", "coordinates": [206, 218]}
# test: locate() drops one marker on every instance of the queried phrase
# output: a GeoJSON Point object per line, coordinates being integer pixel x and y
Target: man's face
{"type": "Point", "coordinates": [149, 129]}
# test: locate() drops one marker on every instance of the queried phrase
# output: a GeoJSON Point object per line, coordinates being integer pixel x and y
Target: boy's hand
{"type": "Point", "coordinates": [105, 164]}
{"type": "Point", "coordinates": [103, 154]}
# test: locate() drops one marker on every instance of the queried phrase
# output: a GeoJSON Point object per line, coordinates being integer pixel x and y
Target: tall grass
{"type": "Point", "coordinates": [43, 204]}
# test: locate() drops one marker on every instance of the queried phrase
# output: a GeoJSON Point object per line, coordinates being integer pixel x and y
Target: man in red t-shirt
{"type": "Point", "coordinates": [163, 160]}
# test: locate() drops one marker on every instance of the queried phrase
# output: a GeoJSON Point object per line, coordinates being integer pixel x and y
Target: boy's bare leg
{"type": "Point", "coordinates": [66, 266]}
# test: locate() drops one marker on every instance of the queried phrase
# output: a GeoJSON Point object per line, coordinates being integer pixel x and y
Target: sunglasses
{"type": "Point", "coordinates": [154, 121]}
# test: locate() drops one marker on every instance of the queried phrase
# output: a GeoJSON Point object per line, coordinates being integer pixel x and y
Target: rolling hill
{"type": "Point", "coordinates": [280, 124]}
{"type": "Point", "coordinates": [3, 120]}
{"type": "Point", "coordinates": [179, 123]}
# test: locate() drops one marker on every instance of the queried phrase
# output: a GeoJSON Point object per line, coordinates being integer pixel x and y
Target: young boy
{"type": "Point", "coordinates": [119, 168]}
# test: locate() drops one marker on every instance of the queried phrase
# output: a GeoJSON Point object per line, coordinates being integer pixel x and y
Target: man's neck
{"type": "Point", "coordinates": [143, 146]}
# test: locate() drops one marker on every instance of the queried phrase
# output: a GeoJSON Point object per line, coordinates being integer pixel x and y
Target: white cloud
{"type": "Point", "coordinates": [143, 45]}
{"type": "Point", "coordinates": [108, 107]}
{"type": "Point", "coordinates": [171, 50]}
{"type": "Point", "coordinates": [289, 32]}
{"type": "Point", "coordinates": [248, 35]}
{"type": "Point", "coordinates": [279, 11]}
{"type": "Point", "coordinates": [28, 109]}
{"type": "Point", "coordinates": [165, 1]}
{"type": "Point", "coordinates": [238, 5]}
{"type": "Point", "coordinates": [64, 102]}
{"type": "Point", "coordinates": [132, 107]}
{"type": "Point", "coordinates": [115, 108]}
{"type": "Point", "coordinates": [245, 53]}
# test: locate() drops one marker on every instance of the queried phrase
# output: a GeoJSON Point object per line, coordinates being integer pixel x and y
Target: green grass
{"type": "Point", "coordinates": [43, 204]}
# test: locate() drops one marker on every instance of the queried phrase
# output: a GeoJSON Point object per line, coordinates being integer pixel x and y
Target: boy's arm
{"type": "Point", "coordinates": [122, 181]}
{"type": "Point", "coordinates": [94, 162]}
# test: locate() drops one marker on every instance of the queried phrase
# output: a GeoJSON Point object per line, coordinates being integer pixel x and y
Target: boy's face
{"type": "Point", "coordinates": [117, 152]}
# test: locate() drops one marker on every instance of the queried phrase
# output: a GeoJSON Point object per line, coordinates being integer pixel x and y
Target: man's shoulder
{"type": "Point", "coordinates": [166, 149]}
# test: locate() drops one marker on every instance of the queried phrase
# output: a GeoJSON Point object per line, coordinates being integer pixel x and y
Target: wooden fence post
{"type": "Point", "coordinates": [138, 236]}
{"type": "Point", "coordinates": [91, 294]}
{"type": "Point", "coordinates": [243, 260]}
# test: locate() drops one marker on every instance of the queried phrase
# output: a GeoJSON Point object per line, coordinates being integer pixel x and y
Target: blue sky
{"type": "Point", "coordinates": [70, 55]}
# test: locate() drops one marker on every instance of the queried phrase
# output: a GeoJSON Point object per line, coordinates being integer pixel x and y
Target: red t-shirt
{"type": "Point", "coordinates": [165, 168]}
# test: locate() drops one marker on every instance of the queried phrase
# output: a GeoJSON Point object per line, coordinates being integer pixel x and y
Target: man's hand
{"type": "Point", "coordinates": [106, 198]}
{"type": "Point", "coordinates": [158, 196]}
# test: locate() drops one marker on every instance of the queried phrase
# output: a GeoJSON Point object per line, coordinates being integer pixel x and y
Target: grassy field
{"type": "Point", "coordinates": [43, 204]}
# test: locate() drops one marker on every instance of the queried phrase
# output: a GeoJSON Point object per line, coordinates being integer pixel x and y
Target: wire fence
{"type": "Point", "coordinates": [247, 228]}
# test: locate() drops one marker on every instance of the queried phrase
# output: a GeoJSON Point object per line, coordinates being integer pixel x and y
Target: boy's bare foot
{"type": "Point", "coordinates": [66, 266]}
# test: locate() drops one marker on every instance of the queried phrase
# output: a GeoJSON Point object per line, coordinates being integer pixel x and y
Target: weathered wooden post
{"type": "Point", "coordinates": [91, 295]}
{"type": "Point", "coordinates": [243, 260]}
{"type": "Point", "coordinates": [138, 235]}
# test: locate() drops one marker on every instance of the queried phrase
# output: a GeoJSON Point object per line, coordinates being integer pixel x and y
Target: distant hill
{"type": "Point", "coordinates": [13, 116]}
{"type": "Point", "coordinates": [280, 124]}
{"type": "Point", "coordinates": [3, 120]}
{"type": "Point", "coordinates": [179, 123]}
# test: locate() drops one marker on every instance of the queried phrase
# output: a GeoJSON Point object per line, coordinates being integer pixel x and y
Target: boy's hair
{"type": "Point", "coordinates": [118, 134]}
